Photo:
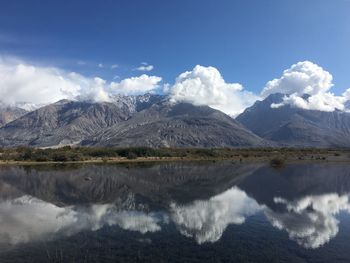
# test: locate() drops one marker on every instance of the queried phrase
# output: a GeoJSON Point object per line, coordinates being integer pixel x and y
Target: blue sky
{"type": "Point", "coordinates": [248, 41]}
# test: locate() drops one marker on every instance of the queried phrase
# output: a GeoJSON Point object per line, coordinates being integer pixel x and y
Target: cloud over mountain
{"type": "Point", "coordinates": [305, 78]}
{"type": "Point", "coordinates": [22, 82]}
{"type": "Point", "coordinates": [206, 86]}
{"type": "Point", "coordinates": [305, 85]}
{"type": "Point", "coordinates": [136, 85]}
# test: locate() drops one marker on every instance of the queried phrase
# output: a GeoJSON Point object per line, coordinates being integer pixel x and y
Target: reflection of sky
{"type": "Point", "coordinates": [207, 220]}
{"type": "Point", "coordinates": [310, 221]}
{"type": "Point", "coordinates": [27, 219]}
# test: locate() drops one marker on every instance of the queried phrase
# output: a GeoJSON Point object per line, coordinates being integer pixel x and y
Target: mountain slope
{"type": "Point", "coordinates": [64, 122]}
{"type": "Point", "coordinates": [136, 103]}
{"type": "Point", "coordinates": [8, 114]}
{"type": "Point", "coordinates": [297, 127]}
{"type": "Point", "coordinates": [177, 125]}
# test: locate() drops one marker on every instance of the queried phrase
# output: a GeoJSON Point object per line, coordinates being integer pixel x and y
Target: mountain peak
{"type": "Point", "coordinates": [296, 127]}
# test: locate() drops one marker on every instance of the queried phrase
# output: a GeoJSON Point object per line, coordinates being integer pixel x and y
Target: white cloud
{"type": "Point", "coordinates": [207, 220]}
{"type": "Point", "coordinates": [305, 78]}
{"type": "Point", "coordinates": [321, 101]}
{"type": "Point", "coordinates": [93, 90]}
{"type": "Point", "coordinates": [21, 82]}
{"type": "Point", "coordinates": [145, 67]}
{"type": "Point", "coordinates": [206, 86]}
{"type": "Point", "coordinates": [136, 85]}
{"type": "Point", "coordinates": [100, 65]}
{"type": "Point", "coordinates": [346, 95]}
{"type": "Point", "coordinates": [28, 219]}
{"type": "Point", "coordinates": [301, 78]}
{"type": "Point", "coordinates": [27, 83]}
{"type": "Point", "coordinates": [311, 220]}
{"type": "Point", "coordinates": [114, 66]}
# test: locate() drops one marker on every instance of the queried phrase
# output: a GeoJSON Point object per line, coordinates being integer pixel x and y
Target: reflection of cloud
{"type": "Point", "coordinates": [310, 221]}
{"type": "Point", "coordinates": [26, 219]}
{"type": "Point", "coordinates": [207, 220]}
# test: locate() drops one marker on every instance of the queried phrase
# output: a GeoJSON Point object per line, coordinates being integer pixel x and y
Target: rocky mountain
{"type": "Point", "coordinates": [155, 121]}
{"type": "Point", "coordinates": [147, 120]}
{"type": "Point", "coordinates": [136, 103]}
{"type": "Point", "coordinates": [69, 122]}
{"type": "Point", "coordinates": [166, 124]}
{"type": "Point", "coordinates": [61, 123]}
{"type": "Point", "coordinates": [296, 127]}
{"type": "Point", "coordinates": [8, 114]}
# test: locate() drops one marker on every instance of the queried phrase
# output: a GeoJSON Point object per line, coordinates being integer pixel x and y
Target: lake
{"type": "Point", "coordinates": [175, 212]}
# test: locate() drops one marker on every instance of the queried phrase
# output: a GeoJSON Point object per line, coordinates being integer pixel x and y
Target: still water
{"type": "Point", "coordinates": [175, 212]}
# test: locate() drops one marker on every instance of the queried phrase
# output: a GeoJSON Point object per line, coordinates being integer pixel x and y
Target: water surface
{"type": "Point", "coordinates": [173, 212]}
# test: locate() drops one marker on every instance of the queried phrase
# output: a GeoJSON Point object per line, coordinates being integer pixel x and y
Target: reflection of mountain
{"type": "Point", "coordinates": [180, 182]}
{"type": "Point", "coordinates": [302, 199]}
{"type": "Point", "coordinates": [69, 200]}
{"type": "Point", "coordinates": [201, 200]}
{"type": "Point", "coordinates": [296, 181]}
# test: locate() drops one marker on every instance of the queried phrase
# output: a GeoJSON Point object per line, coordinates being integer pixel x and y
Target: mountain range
{"type": "Point", "coordinates": [295, 127]}
{"type": "Point", "coordinates": [156, 121]}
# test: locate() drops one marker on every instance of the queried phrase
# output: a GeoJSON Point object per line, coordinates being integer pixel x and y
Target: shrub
{"type": "Point", "coordinates": [60, 157]}
{"type": "Point", "coordinates": [131, 155]}
{"type": "Point", "coordinates": [277, 162]}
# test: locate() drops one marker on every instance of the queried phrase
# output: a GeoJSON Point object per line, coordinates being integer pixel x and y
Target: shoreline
{"type": "Point", "coordinates": [139, 160]}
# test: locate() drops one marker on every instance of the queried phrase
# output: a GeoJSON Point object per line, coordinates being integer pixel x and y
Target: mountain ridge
{"type": "Point", "coordinates": [153, 120]}
{"type": "Point", "coordinates": [296, 127]}
{"type": "Point", "coordinates": [178, 125]}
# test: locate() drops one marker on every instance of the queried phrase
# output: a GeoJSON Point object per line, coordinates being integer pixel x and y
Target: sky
{"type": "Point", "coordinates": [248, 42]}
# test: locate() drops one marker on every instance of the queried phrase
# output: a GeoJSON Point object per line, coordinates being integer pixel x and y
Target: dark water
{"type": "Point", "coordinates": [175, 212]}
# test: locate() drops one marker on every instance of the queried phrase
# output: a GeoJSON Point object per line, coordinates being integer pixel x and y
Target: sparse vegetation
{"type": "Point", "coordinates": [277, 157]}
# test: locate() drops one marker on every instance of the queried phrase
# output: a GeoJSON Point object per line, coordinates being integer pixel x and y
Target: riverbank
{"type": "Point", "coordinates": [29, 156]}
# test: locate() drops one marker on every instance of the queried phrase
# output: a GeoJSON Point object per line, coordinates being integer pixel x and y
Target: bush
{"type": "Point", "coordinates": [60, 157]}
{"type": "Point", "coordinates": [277, 162]}
{"type": "Point", "coordinates": [131, 155]}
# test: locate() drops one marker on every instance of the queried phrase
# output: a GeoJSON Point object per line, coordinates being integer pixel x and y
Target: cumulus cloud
{"type": "Point", "coordinates": [92, 89]}
{"type": "Point", "coordinates": [136, 85]}
{"type": "Point", "coordinates": [207, 220]}
{"type": "Point", "coordinates": [206, 86]}
{"type": "Point", "coordinates": [306, 86]}
{"type": "Point", "coordinates": [114, 66]}
{"type": "Point", "coordinates": [310, 221]}
{"type": "Point", "coordinates": [22, 82]}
